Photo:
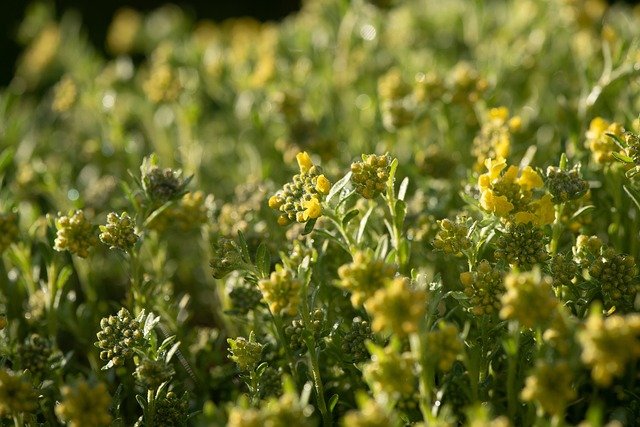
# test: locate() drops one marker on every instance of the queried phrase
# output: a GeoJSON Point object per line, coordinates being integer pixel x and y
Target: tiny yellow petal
{"type": "Point", "coordinates": [312, 209]}
{"type": "Point", "coordinates": [304, 161]}
{"type": "Point", "coordinates": [511, 174]}
{"type": "Point", "coordinates": [530, 179]}
{"type": "Point", "coordinates": [323, 185]}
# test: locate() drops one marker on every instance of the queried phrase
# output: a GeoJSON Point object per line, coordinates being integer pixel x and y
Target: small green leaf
{"type": "Point", "coordinates": [619, 141]}
{"type": "Point", "coordinates": [63, 276]}
{"type": "Point", "coordinates": [581, 211]}
{"type": "Point", "coordinates": [172, 350]}
{"type": "Point", "coordinates": [263, 260]}
{"type": "Point", "coordinates": [632, 172]}
{"type": "Point", "coordinates": [563, 162]}
{"type": "Point", "coordinates": [363, 223]}
{"type": "Point", "coordinates": [621, 157]}
{"type": "Point", "coordinates": [244, 248]}
{"type": "Point", "coordinates": [308, 227]}
{"type": "Point", "coordinates": [400, 214]}
{"type": "Point", "coordinates": [6, 158]}
{"type": "Point", "coordinates": [149, 324]}
{"type": "Point", "coordinates": [338, 186]}
{"type": "Point", "coordinates": [349, 216]}
{"type": "Point", "coordinates": [402, 191]}
{"type": "Point", "coordinates": [633, 193]}
{"type": "Point", "coordinates": [332, 402]}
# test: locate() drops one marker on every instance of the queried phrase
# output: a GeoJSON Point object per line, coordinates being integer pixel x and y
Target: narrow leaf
{"type": "Point", "coordinates": [339, 185]}
{"type": "Point", "coordinates": [349, 216]}
{"type": "Point", "coordinates": [332, 402]}
{"type": "Point", "coordinates": [63, 277]}
{"type": "Point", "coordinates": [581, 211]}
{"type": "Point", "coordinates": [622, 157]}
{"type": "Point", "coordinates": [402, 191]}
{"type": "Point", "coordinates": [308, 227]}
{"type": "Point", "coordinates": [400, 214]}
{"type": "Point", "coordinates": [634, 194]}
{"type": "Point", "coordinates": [243, 247]}
{"type": "Point", "coordinates": [6, 158]}
{"type": "Point", "coordinates": [263, 260]}
{"type": "Point", "coordinates": [363, 223]}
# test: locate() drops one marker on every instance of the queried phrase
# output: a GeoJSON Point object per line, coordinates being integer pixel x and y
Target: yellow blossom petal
{"type": "Point", "coordinates": [511, 174]}
{"type": "Point", "coordinates": [312, 209]}
{"type": "Point", "coordinates": [526, 217]}
{"type": "Point", "coordinates": [495, 166]}
{"type": "Point", "coordinates": [498, 205]}
{"type": "Point", "coordinates": [530, 179]}
{"type": "Point", "coordinates": [323, 185]}
{"type": "Point", "coordinates": [484, 181]}
{"type": "Point", "coordinates": [304, 161]}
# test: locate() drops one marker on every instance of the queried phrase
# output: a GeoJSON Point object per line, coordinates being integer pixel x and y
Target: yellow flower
{"type": "Point", "coordinates": [323, 185]}
{"type": "Point", "coordinates": [304, 161]}
{"type": "Point", "coordinates": [499, 114]}
{"type": "Point", "coordinates": [511, 174]}
{"type": "Point", "coordinates": [495, 166]}
{"type": "Point", "coordinates": [499, 205]}
{"type": "Point", "coordinates": [543, 212]}
{"type": "Point", "coordinates": [530, 179]}
{"type": "Point", "coordinates": [312, 209]}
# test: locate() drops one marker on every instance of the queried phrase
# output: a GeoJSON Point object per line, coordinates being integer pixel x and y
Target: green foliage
{"type": "Point", "coordinates": [418, 212]}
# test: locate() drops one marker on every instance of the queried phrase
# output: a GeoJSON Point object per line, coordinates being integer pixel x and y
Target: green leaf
{"type": "Point", "coordinates": [632, 172]}
{"type": "Point", "coordinates": [402, 191]}
{"type": "Point", "coordinates": [400, 213]}
{"type": "Point", "coordinates": [619, 141]}
{"type": "Point", "coordinates": [338, 186]}
{"type": "Point", "coordinates": [325, 233]}
{"type": "Point", "coordinates": [244, 248]}
{"type": "Point", "coordinates": [581, 211]}
{"type": "Point", "coordinates": [6, 158]}
{"type": "Point", "coordinates": [263, 260]}
{"type": "Point", "coordinates": [363, 223]}
{"type": "Point", "coordinates": [142, 402]}
{"type": "Point", "coordinates": [150, 323]}
{"type": "Point", "coordinates": [63, 276]}
{"type": "Point", "coordinates": [308, 227]}
{"type": "Point", "coordinates": [633, 193]}
{"type": "Point", "coordinates": [563, 162]}
{"type": "Point", "coordinates": [621, 157]}
{"type": "Point", "coordinates": [332, 402]}
{"type": "Point", "coordinates": [349, 216]}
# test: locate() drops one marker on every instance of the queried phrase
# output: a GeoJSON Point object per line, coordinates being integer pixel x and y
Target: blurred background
{"type": "Point", "coordinates": [96, 17]}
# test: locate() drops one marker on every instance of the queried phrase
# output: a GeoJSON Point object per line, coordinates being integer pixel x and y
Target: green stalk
{"type": "Point", "coordinates": [151, 408]}
{"type": "Point", "coordinates": [512, 367]}
{"type": "Point", "coordinates": [556, 230]}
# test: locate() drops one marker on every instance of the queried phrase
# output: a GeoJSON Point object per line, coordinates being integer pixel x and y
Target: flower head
{"type": "Point", "coordinates": [85, 405]}
{"type": "Point", "coordinates": [75, 234]}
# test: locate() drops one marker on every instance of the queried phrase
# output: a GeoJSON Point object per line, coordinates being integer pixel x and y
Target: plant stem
{"type": "Point", "coordinates": [151, 408]}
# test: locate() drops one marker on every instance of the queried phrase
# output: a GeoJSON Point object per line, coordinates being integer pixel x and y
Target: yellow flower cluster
{"type": "Point", "coordinates": [390, 372]}
{"type": "Point", "coordinates": [601, 145]}
{"type": "Point", "coordinates": [299, 200]}
{"type": "Point", "coordinates": [484, 287]}
{"type": "Point", "coordinates": [509, 194]}
{"type": "Point", "coordinates": [364, 276]}
{"type": "Point", "coordinates": [609, 344]}
{"type": "Point", "coordinates": [551, 386]}
{"type": "Point", "coordinates": [529, 298]}
{"type": "Point", "coordinates": [397, 308]}
{"type": "Point", "coordinates": [494, 138]}
{"type": "Point", "coordinates": [84, 405]}
{"type": "Point", "coordinates": [281, 291]}
{"type": "Point", "coordinates": [74, 234]}
{"type": "Point", "coordinates": [444, 345]}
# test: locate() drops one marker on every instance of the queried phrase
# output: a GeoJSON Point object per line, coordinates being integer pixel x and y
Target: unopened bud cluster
{"type": "Point", "coordinates": [74, 234]}
{"type": "Point", "coordinates": [529, 298]}
{"type": "Point", "coordinates": [281, 290]}
{"type": "Point", "coordinates": [563, 270]}
{"type": "Point", "coordinates": [299, 200]}
{"type": "Point", "coordinates": [353, 346]}
{"type": "Point", "coordinates": [119, 233]}
{"type": "Point", "coordinates": [85, 405]}
{"type": "Point", "coordinates": [444, 346]}
{"type": "Point", "coordinates": [565, 185]}
{"type": "Point", "coordinates": [245, 353]}
{"type": "Point", "coordinates": [17, 395]}
{"type": "Point", "coordinates": [151, 374]}
{"type": "Point", "coordinates": [522, 245]}
{"type": "Point", "coordinates": [119, 336]}
{"type": "Point", "coordinates": [616, 274]}
{"type": "Point", "coordinates": [36, 355]}
{"type": "Point", "coordinates": [244, 297]}
{"type": "Point", "coordinates": [452, 237]}
{"type": "Point", "coordinates": [484, 287]}
{"type": "Point", "coordinates": [228, 257]}
{"type": "Point", "coordinates": [294, 332]}
{"type": "Point", "coordinates": [173, 410]}
{"type": "Point", "coordinates": [364, 276]}
{"type": "Point", "coordinates": [369, 177]}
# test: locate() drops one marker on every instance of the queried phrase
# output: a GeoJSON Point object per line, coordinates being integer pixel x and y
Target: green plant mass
{"type": "Point", "coordinates": [371, 213]}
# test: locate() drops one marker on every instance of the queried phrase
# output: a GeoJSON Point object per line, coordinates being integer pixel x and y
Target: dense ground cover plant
{"type": "Point", "coordinates": [373, 213]}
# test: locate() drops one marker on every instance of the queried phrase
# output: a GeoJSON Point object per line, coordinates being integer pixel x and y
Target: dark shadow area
{"type": "Point", "coordinates": [96, 17]}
